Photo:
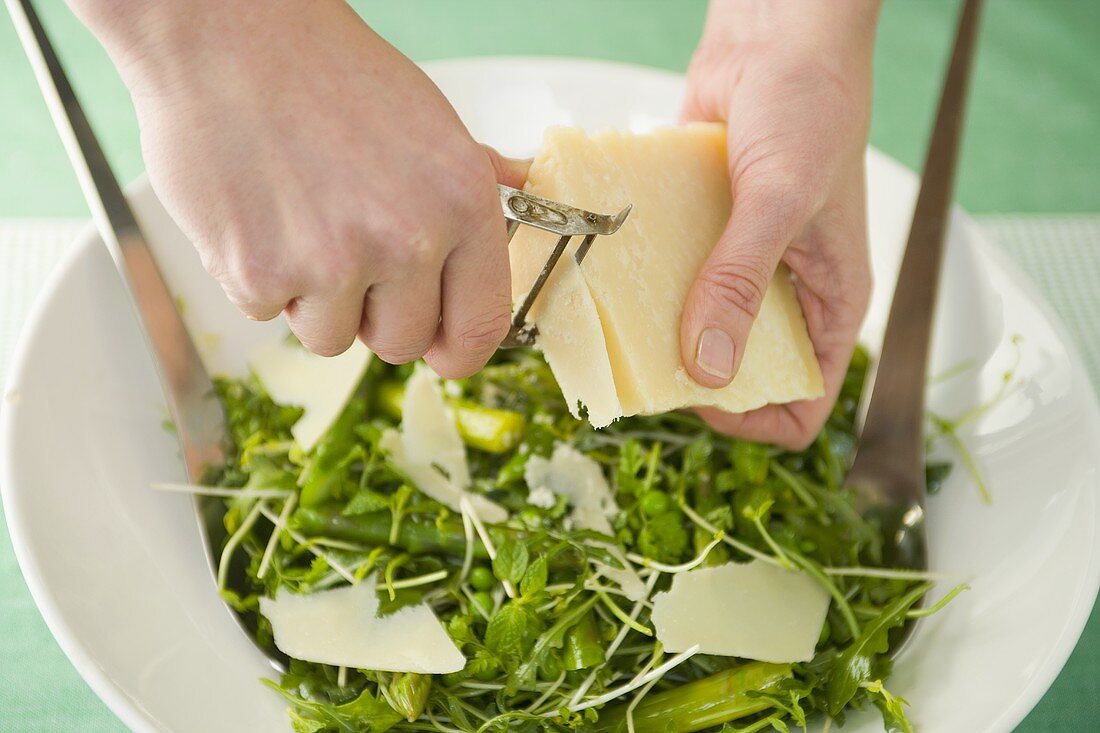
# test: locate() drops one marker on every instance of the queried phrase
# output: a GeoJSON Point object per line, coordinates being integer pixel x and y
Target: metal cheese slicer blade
{"type": "Point", "coordinates": [567, 222]}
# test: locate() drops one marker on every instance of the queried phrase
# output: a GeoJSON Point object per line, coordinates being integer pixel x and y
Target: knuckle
{"type": "Point", "coordinates": [483, 332]}
{"type": "Point", "coordinates": [448, 367]}
{"type": "Point", "coordinates": [325, 344]}
{"type": "Point", "coordinates": [253, 277]}
{"type": "Point", "coordinates": [397, 349]}
{"type": "Point", "coordinates": [736, 285]}
{"type": "Point", "coordinates": [408, 246]}
{"type": "Point", "coordinates": [334, 267]}
{"type": "Point", "coordinates": [318, 332]}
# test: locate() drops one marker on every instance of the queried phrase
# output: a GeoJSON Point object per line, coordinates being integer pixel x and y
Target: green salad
{"type": "Point", "coordinates": [551, 640]}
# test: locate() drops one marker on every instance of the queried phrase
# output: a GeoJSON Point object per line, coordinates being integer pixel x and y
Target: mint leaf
{"type": "Point", "coordinates": [664, 538]}
{"type": "Point", "coordinates": [511, 561]}
{"type": "Point", "coordinates": [364, 714]}
{"type": "Point", "coordinates": [512, 632]}
{"type": "Point", "coordinates": [534, 579]}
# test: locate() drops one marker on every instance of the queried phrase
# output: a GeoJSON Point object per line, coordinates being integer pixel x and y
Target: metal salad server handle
{"type": "Point", "coordinates": [189, 392]}
{"type": "Point", "coordinates": [888, 471]}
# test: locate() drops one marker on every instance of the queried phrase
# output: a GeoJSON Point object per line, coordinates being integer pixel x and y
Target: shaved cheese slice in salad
{"type": "Point", "coordinates": [429, 450]}
{"type": "Point", "coordinates": [580, 479]}
{"type": "Point", "coordinates": [342, 627]}
{"type": "Point", "coordinates": [320, 385]}
{"type": "Point", "coordinates": [428, 427]}
{"type": "Point", "coordinates": [754, 610]}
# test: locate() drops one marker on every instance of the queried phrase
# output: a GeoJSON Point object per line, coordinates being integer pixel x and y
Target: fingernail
{"type": "Point", "coordinates": [714, 353]}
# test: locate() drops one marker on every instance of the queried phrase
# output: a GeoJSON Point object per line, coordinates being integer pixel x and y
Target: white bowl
{"type": "Point", "coordinates": [118, 570]}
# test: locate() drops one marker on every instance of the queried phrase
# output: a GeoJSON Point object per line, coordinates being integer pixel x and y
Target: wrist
{"type": "Point", "coordinates": [841, 31]}
{"type": "Point", "coordinates": [160, 45]}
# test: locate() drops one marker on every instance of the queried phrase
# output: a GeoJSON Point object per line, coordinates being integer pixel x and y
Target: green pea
{"type": "Point", "coordinates": [654, 502]}
{"type": "Point", "coordinates": [483, 603]}
{"type": "Point", "coordinates": [481, 578]}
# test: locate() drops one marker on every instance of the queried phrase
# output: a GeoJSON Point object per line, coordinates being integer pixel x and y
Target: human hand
{"type": "Point", "coordinates": [319, 173]}
{"type": "Point", "coordinates": [793, 82]}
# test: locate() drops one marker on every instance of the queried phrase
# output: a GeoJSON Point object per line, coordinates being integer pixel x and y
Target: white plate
{"type": "Point", "coordinates": [118, 572]}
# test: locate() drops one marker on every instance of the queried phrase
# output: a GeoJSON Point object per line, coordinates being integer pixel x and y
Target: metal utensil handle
{"type": "Point", "coordinates": [894, 421]}
{"type": "Point", "coordinates": [188, 387]}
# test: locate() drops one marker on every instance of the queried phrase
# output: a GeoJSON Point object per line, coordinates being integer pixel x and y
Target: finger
{"type": "Point", "coordinates": [509, 171]}
{"type": "Point", "coordinates": [254, 309]}
{"type": "Point", "coordinates": [258, 294]}
{"type": "Point", "coordinates": [400, 318]}
{"type": "Point", "coordinates": [729, 289]}
{"type": "Point", "coordinates": [792, 426]}
{"type": "Point", "coordinates": [834, 299]}
{"type": "Point", "coordinates": [326, 324]}
{"type": "Point", "coordinates": [476, 305]}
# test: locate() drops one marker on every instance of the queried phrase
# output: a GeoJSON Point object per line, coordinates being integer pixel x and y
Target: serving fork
{"type": "Point", "coordinates": [888, 473]}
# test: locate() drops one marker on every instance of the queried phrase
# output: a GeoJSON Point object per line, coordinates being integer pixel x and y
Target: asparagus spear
{"type": "Point", "coordinates": [702, 704]}
{"type": "Point", "coordinates": [484, 428]}
{"type": "Point", "coordinates": [416, 534]}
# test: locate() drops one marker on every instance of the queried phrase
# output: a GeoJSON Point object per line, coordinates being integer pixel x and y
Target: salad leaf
{"type": "Point", "coordinates": [511, 561]}
{"type": "Point", "coordinates": [853, 666]}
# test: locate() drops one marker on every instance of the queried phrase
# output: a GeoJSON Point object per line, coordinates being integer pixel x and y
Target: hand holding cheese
{"type": "Point", "coordinates": [793, 81]}
{"type": "Point", "coordinates": [610, 328]}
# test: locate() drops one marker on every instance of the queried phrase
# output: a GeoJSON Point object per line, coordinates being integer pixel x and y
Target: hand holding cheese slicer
{"type": "Point", "coordinates": [567, 222]}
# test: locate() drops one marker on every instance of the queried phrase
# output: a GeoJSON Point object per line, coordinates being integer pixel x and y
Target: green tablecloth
{"type": "Point", "coordinates": [1033, 145]}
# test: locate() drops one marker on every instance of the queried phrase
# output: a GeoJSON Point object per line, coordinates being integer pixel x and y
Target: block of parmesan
{"type": "Point", "coordinates": [610, 327]}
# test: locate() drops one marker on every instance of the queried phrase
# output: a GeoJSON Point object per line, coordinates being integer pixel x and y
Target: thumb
{"type": "Point", "coordinates": [509, 171]}
{"type": "Point", "coordinates": [729, 289]}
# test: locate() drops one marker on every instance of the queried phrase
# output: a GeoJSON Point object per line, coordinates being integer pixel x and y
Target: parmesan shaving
{"type": "Point", "coordinates": [429, 450]}
{"type": "Point", "coordinates": [320, 385]}
{"type": "Point", "coordinates": [752, 610]}
{"type": "Point", "coordinates": [342, 627]}
{"type": "Point", "coordinates": [580, 479]}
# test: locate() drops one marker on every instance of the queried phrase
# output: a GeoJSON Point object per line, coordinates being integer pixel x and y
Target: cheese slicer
{"type": "Point", "coordinates": [566, 221]}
